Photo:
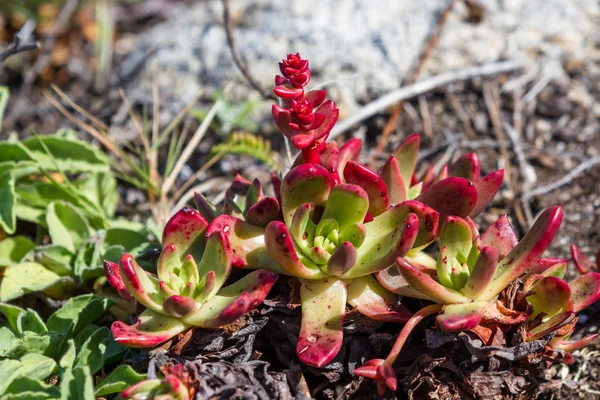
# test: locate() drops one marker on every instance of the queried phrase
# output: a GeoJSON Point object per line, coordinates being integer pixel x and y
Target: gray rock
{"type": "Point", "coordinates": [360, 48]}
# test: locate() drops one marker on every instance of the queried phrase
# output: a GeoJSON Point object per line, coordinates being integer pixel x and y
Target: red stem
{"type": "Point", "coordinates": [410, 325]}
{"type": "Point", "coordinates": [311, 155]}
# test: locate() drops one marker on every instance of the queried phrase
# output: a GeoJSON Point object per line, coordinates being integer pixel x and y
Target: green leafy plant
{"type": "Point", "coordinates": [68, 348]}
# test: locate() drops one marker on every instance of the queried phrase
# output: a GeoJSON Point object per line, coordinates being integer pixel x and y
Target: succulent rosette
{"type": "Point", "coordinates": [171, 387]}
{"type": "Point", "coordinates": [185, 294]}
{"type": "Point", "coordinates": [472, 270]}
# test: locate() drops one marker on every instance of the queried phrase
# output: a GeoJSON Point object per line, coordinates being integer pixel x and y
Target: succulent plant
{"type": "Point", "coordinates": [555, 304]}
{"type": "Point", "coordinates": [171, 387]}
{"type": "Point", "coordinates": [470, 272]}
{"type": "Point", "coordinates": [185, 294]}
{"type": "Point", "coordinates": [582, 262]}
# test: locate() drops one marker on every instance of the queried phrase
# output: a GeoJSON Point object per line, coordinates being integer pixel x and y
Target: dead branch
{"type": "Point", "coordinates": [23, 42]}
{"type": "Point", "coordinates": [565, 180]}
{"type": "Point", "coordinates": [421, 87]}
{"type": "Point", "coordinates": [426, 53]}
{"type": "Point", "coordinates": [237, 58]}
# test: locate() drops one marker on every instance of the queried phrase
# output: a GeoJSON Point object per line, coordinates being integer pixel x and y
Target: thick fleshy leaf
{"type": "Point", "coordinates": [180, 306]}
{"type": "Point", "coordinates": [558, 270]}
{"type": "Point", "coordinates": [205, 207]}
{"type": "Point", "coordinates": [578, 344]}
{"type": "Point", "coordinates": [549, 296]}
{"type": "Point", "coordinates": [487, 187]}
{"type": "Point", "coordinates": [391, 175]}
{"type": "Point", "coordinates": [372, 183]}
{"type": "Point", "coordinates": [113, 276]}
{"type": "Point", "coordinates": [169, 262]}
{"type": "Point", "coordinates": [263, 212]}
{"type": "Point", "coordinates": [287, 91]}
{"type": "Point", "coordinates": [233, 301]}
{"type": "Point", "coordinates": [451, 196]}
{"type": "Point", "coordinates": [525, 253]}
{"type": "Point", "coordinates": [459, 317]}
{"type": "Point", "coordinates": [247, 242]}
{"type": "Point", "coordinates": [150, 330]}
{"type": "Point", "coordinates": [323, 309]}
{"type": "Point", "coordinates": [455, 241]}
{"type": "Point", "coordinates": [582, 262]}
{"type": "Point", "coordinates": [143, 287]}
{"type": "Point", "coordinates": [501, 236]}
{"type": "Point", "coordinates": [282, 119]}
{"type": "Point", "coordinates": [541, 266]}
{"type": "Point", "coordinates": [374, 301]}
{"type": "Point", "coordinates": [347, 204]}
{"type": "Point", "coordinates": [280, 247]}
{"type": "Point", "coordinates": [407, 154]}
{"type": "Point", "coordinates": [374, 255]}
{"type": "Point", "coordinates": [425, 284]}
{"type": "Point", "coordinates": [217, 258]}
{"type": "Point", "coordinates": [467, 166]}
{"type": "Point", "coordinates": [350, 150]}
{"type": "Point", "coordinates": [482, 272]}
{"type": "Point", "coordinates": [330, 157]}
{"type": "Point", "coordinates": [331, 115]}
{"type": "Point", "coordinates": [391, 279]}
{"type": "Point", "coordinates": [307, 183]}
{"type": "Point", "coordinates": [185, 230]}
{"type": "Point", "coordinates": [342, 259]}
{"type": "Point", "coordinates": [585, 290]}
{"type": "Point", "coordinates": [551, 325]}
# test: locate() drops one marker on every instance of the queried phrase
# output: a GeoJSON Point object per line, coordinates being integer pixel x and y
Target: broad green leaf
{"type": "Point", "coordinates": [113, 253]}
{"type": "Point", "coordinates": [129, 239]}
{"type": "Point", "coordinates": [7, 337]}
{"type": "Point", "coordinates": [26, 388]}
{"type": "Point", "coordinates": [120, 379]}
{"type": "Point", "coordinates": [70, 155]}
{"type": "Point", "coordinates": [79, 311]}
{"type": "Point", "coordinates": [45, 344]}
{"type": "Point", "coordinates": [14, 151]}
{"type": "Point", "coordinates": [100, 188]}
{"type": "Point", "coordinates": [67, 359]}
{"type": "Point", "coordinates": [31, 214]}
{"type": "Point", "coordinates": [30, 321]}
{"type": "Point", "coordinates": [8, 218]}
{"type": "Point", "coordinates": [66, 225]}
{"type": "Point", "coordinates": [11, 314]}
{"type": "Point", "coordinates": [92, 352]}
{"type": "Point", "coordinates": [88, 262]}
{"type": "Point", "coordinates": [33, 366]}
{"type": "Point", "coordinates": [26, 278]}
{"type": "Point", "coordinates": [19, 169]}
{"type": "Point", "coordinates": [77, 384]}
{"type": "Point", "coordinates": [54, 257]}
{"type": "Point", "coordinates": [13, 249]}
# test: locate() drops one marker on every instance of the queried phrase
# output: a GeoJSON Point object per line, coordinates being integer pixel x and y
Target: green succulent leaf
{"type": "Point", "coordinates": [347, 205]}
{"type": "Point", "coordinates": [458, 317]}
{"type": "Point", "coordinates": [373, 300]}
{"type": "Point", "coordinates": [66, 225]}
{"type": "Point", "coordinates": [118, 380]}
{"type": "Point", "coordinates": [13, 249]}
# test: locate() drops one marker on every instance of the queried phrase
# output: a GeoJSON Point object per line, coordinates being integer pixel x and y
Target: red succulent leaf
{"type": "Point", "coordinates": [585, 290]}
{"type": "Point", "coordinates": [501, 236]}
{"type": "Point", "coordinates": [303, 139]}
{"type": "Point", "coordinates": [349, 151]}
{"type": "Point", "coordinates": [288, 91]}
{"type": "Point", "coordinates": [467, 166]}
{"type": "Point", "coordinates": [111, 270]}
{"type": "Point", "coordinates": [582, 262]}
{"type": "Point", "coordinates": [391, 175]}
{"type": "Point", "coordinates": [541, 265]}
{"type": "Point", "coordinates": [263, 212]}
{"type": "Point", "coordinates": [331, 115]}
{"type": "Point", "coordinates": [184, 229]}
{"type": "Point", "coordinates": [487, 187]}
{"type": "Point", "coordinates": [315, 97]}
{"type": "Point", "coordinates": [243, 237]}
{"type": "Point", "coordinates": [451, 196]}
{"type": "Point", "coordinates": [373, 184]}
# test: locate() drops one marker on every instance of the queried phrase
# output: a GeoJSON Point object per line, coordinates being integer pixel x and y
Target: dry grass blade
{"type": "Point", "coordinates": [99, 124]}
{"type": "Point", "coordinates": [136, 122]}
{"type": "Point", "coordinates": [191, 146]}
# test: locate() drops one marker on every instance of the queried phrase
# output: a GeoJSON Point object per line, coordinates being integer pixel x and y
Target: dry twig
{"type": "Point", "coordinates": [237, 58]}
{"type": "Point", "coordinates": [419, 88]}
{"type": "Point", "coordinates": [22, 42]}
{"type": "Point", "coordinates": [430, 45]}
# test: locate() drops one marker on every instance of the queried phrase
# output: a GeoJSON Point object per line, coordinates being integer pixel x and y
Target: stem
{"type": "Point", "coordinates": [311, 155]}
{"type": "Point", "coordinates": [410, 325]}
